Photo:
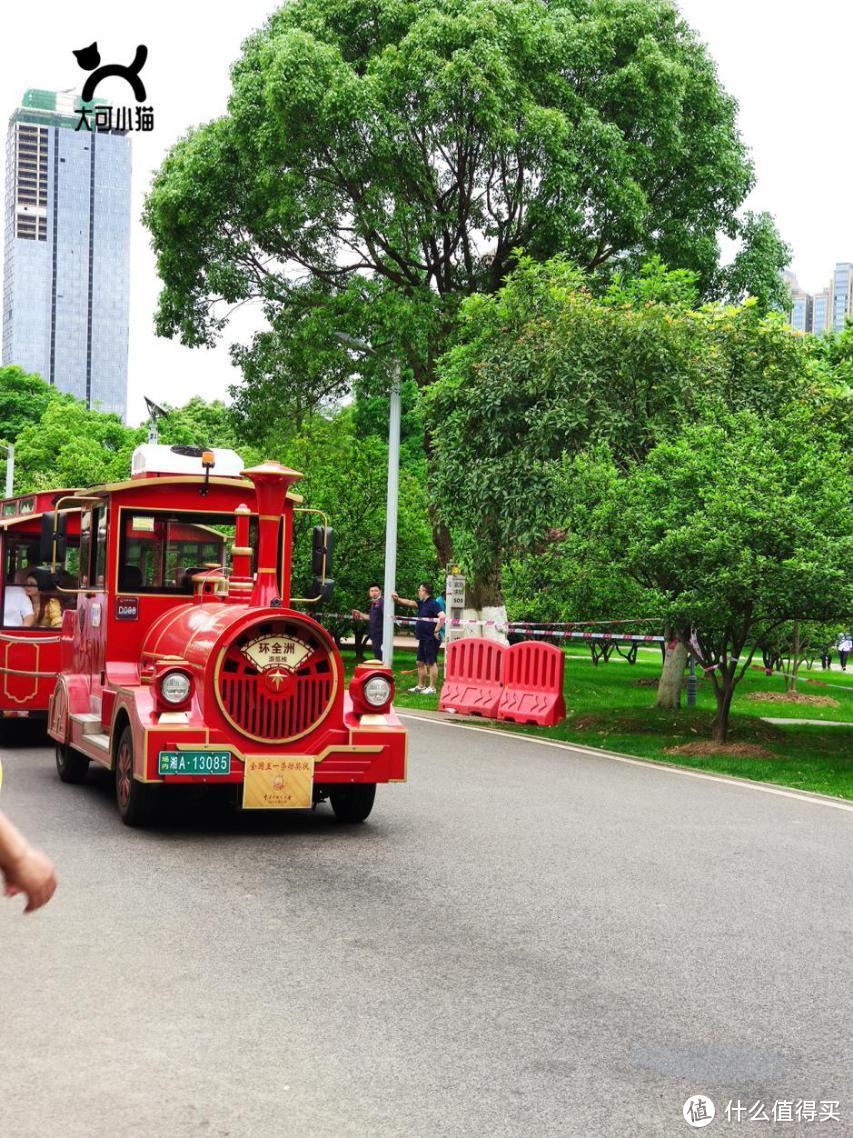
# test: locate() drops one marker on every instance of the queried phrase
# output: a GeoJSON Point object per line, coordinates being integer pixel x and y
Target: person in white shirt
{"type": "Point", "coordinates": [17, 608]}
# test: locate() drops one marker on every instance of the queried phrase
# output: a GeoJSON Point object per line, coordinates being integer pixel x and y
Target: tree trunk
{"type": "Point", "coordinates": [672, 674]}
{"type": "Point", "coordinates": [441, 539]}
{"type": "Point", "coordinates": [484, 606]}
{"type": "Point", "coordinates": [791, 685]}
{"type": "Point", "coordinates": [724, 695]}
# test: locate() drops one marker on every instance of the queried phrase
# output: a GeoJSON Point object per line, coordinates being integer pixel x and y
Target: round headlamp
{"type": "Point", "coordinates": [377, 690]}
{"type": "Point", "coordinates": [175, 687]}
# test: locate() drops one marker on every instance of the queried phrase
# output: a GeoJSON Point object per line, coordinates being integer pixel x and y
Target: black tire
{"type": "Point", "coordinates": [353, 803]}
{"type": "Point", "coordinates": [71, 766]}
{"type": "Point", "coordinates": [135, 799]}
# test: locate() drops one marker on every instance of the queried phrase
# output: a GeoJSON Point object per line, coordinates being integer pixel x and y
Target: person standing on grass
{"type": "Point", "coordinates": [374, 619]}
{"type": "Point", "coordinates": [428, 635]}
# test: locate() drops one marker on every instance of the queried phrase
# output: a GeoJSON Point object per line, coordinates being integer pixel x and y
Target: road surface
{"type": "Point", "coordinates": [523, 940]}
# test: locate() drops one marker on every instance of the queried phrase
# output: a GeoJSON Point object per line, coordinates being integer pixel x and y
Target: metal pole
{"type": "Point", "coordinates": [10, 469]}
{"type": "Point", "coordinates": [391, 515]}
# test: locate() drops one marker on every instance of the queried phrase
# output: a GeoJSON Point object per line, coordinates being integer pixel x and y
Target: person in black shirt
{"type": "Point", "coordinates": [428, 635]}
{"type": "Point", "coordinates": [374, 619]}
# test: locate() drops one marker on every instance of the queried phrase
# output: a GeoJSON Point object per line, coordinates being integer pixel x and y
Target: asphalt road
{"type": "Point", "coordinates": [521, 941]}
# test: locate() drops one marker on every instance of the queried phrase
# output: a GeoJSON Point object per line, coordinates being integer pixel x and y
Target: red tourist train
{"type": "Point", "coordinates": [164, 646]}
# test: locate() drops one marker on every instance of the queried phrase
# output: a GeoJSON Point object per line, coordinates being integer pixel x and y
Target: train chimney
{"type": "Point", "coordinates": [271, 481]}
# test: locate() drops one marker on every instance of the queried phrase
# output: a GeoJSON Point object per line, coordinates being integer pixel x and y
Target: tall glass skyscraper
{"type": "Point", "coordinates": [842, 294]}
{"type": "Point", "coordinates": [66, 268]}
{"type": "Point", "coordinates": [821, 313]}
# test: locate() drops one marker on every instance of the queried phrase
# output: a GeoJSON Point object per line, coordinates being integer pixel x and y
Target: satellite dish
{"type": "Point", "coordinates": [154, 409]}
{"type": "Point", "coordinates": [155, 412]}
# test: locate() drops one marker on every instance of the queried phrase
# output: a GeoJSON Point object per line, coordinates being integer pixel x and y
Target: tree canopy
{"type": "Point", "coordinates": [378, 162]}
{"type": "Point", "coordinates": [734, 527]}
{"type": "Point", "coordinates": [756, 270]}
{"type": "Point", "coordinates": [23, 400]}
{"type": "Point", "coordinates": [543, 370]}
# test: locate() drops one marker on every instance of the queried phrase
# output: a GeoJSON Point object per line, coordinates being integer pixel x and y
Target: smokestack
{"type": "Point", "coordinates": [271, 481]}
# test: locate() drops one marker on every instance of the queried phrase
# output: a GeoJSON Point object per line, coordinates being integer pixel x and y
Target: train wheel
{"type": "Point", "coordinates": [353, 803]}
{"type": "Point", "coordinates": [71, 766]}
{"type": "Point", "coordinates": [134, 798]}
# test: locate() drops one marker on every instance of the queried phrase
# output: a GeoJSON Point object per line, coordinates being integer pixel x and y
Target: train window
{"type": "Point", "coordinates": [21, 556]}
{"type": "Point", "coordinates": [159, 552]}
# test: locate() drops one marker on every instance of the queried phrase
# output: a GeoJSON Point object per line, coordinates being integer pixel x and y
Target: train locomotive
{"type": "Point", "coordinates": [180, 657]}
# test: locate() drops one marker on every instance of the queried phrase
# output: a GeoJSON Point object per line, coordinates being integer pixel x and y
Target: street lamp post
{"type": "Point", "coordinates": [391, 515]}
{"type": "Point", "coordinates": [392, 495]}
{"type": "Point", "coordinates": [10, 467]}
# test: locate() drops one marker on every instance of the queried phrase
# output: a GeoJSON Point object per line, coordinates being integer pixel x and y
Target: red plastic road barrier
{"type": "Point", "coordinates": [473, 676]}
{"type": "Point", "coordinates": [533, 684]}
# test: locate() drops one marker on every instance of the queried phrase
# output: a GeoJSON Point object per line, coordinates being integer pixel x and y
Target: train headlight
{"type": "Point", "coordinates": [377, 691]}
{"type": "Point", "coordinates": [175, 687]}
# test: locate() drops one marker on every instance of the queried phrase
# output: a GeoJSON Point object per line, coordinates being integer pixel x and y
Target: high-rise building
{"type": "Point", "coordinates": [66, 286]}
{"type": "Point", "coordinates": [800, 314]}
{"type": "Point", "coordinates": [821, 311]}
{"type": "Point", "coordinates": [842, 294]}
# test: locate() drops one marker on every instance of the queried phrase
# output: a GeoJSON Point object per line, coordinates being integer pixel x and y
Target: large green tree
{"type": "Point", "coordinates": [381, 160]}
{"type": "Point", "coordinates": [24, 398]}
{"type": "Point", "coordinates": [733, 528]}
{"type": "Point", "coordinates": [543, 370]}
{"type": "Point", "coordinates": [72, 446]}
{"type": "Point", "coordinates": [756, 270]}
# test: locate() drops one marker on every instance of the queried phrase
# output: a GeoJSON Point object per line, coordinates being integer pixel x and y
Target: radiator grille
{"type": "Point", "coordinates": [276, 681]}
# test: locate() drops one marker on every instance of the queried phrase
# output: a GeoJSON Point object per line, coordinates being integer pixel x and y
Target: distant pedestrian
{"type": "Point", "coordinates": [375, 618]}
{"type": "Point", "coordinates": [845, 646]}
{"type": "Point", "coordinates": [826, 657]}
{"type": "Point", "coordinates": [428, 631]}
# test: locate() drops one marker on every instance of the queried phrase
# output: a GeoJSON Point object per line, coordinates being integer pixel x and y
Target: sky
{"type": "Point", "coordinates": [788, 66]}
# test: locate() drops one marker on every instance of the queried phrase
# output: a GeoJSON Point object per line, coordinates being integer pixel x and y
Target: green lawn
{"type": "Point", "coordinates": [610, 706]}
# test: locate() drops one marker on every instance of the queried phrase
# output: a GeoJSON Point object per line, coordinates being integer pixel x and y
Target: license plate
{"type": "Point", "coordinates": [278, 784]}
{"type": "Point", "coordinates": [195, 762]}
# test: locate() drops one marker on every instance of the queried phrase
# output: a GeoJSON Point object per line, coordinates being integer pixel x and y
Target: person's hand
{"type": "Point", "coordinates": [395, 596]}
{"type": "Point", "coordinates": [31, 873]}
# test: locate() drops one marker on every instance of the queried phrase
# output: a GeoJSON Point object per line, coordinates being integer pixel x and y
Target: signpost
{"type": "Point", "coordinates": [454, 598]}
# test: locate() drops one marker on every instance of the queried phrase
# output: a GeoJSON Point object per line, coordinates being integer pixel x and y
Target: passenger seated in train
{"type": "Point", "coordinates": [17, 608]}
{"type": "Point", "coordinates": [46, 607]}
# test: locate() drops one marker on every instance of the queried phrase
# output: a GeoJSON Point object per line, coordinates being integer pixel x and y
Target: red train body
{"type": "Point", "coordinates": [180, 658]}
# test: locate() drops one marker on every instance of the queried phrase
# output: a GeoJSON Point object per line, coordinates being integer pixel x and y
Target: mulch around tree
{"type": "Point", "coordinates": [794, 697]}
{"type": "Point", "coordinates": [734, 750]}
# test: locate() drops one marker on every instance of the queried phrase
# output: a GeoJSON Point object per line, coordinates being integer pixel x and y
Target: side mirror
{"type": "Point", "coordinates": [322, 588]}
{"type": "Point", "coordinates": [322, 544]}
{"type": "Point", "coordinates": [46, 542]}
{"type": "Point", "coordinates": [53, 542]}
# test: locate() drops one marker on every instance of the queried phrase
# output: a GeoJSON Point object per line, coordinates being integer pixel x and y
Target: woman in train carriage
{"type": "Point", "coordinates": [47, 609]}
